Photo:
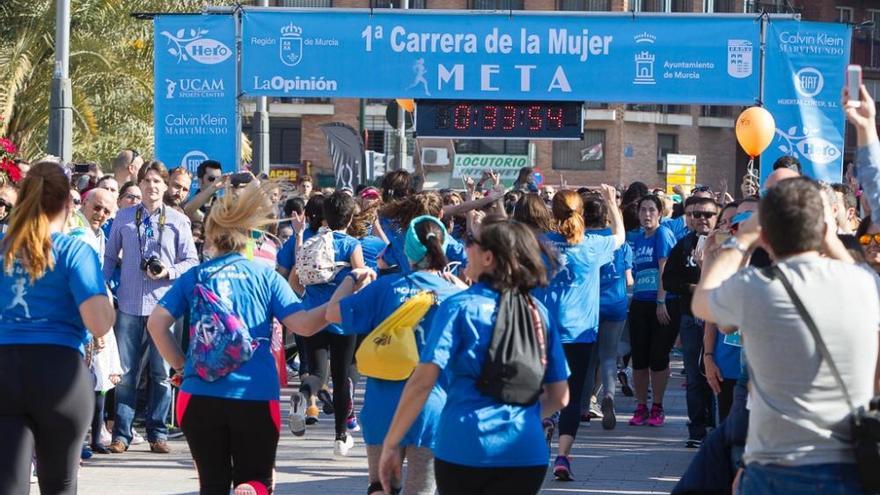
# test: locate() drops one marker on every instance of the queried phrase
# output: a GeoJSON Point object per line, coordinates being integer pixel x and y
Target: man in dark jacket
{"type": "Point", "coordinates": [680, 277]}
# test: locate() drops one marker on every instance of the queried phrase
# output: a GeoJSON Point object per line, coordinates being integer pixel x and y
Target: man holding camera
{"type": "Point", "coordinates": [157, 247]}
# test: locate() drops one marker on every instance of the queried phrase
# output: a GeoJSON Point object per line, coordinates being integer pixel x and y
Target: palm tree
{"type": "Point", "coordinates": [111, 71]}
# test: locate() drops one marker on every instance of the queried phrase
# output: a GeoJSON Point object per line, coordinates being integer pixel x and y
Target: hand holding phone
{"type": "Point", "coordinates": [853, 85]}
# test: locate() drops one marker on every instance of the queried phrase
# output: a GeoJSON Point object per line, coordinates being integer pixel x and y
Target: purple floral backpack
{"type": "Point", "coordinates": [219, 341]}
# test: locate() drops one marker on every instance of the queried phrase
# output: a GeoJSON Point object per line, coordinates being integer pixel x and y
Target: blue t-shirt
{"type": "Point", "coordinates": [475, 429]}
{"type": "Point", "coordinates": [364, 311]}
{"type": "Point", "coordinates": [728, 351]}
{"type": "Point", "coordinates": [613, 301]}
{"type": "Point", "coordinates": [318, 294]}
{"type": "Point", "coordinates": [257, 294]}
{"type": "Point", "coordinates": [394, 253]}
{"type": "Point", "coordinates": [47, 311]}
{"type": "Point", "coordinates": [372, 247]}
{"type": "Point", "coordinates": [572, 298]}
{"type": "Point", "coordinates": [677, 225]}
{"type": "Point", "coordinates": [286, 257]}
{"type": "Point", "coordinates": [647, 253]}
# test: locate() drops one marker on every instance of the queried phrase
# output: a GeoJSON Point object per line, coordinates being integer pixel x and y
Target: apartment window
{"type": "Point", "coordinates": [681, 6]}
{"type": "Point", "coordinates": [588, 154]}
{"type": "Point", "coordinates": [305, 3]}
{"type": "Point", "coordinates": [397, 4]}
{"type": "Point", "coordinates": [720, 6]}
{"type": "Point", "coordinates": [492, 146]}
{"type": "Point", "coordinates": [496, 4]}
{"type": "Point", "coordinates": [651, 5]}
{"type": "Point", "coordinates": [668, 109]}
{"type": "Point", "coordinates": [666, 144]}
{"type": "Point", "coordinates": [845, 14]}
{"type": "Point", "coordinates": [719, 111]}
{"type": "Point", "coordinates": [771, 7]}
{"type": "Point", "coordinates": [585, 5]}
{"type": "Point", "coordinates": [382, 137]}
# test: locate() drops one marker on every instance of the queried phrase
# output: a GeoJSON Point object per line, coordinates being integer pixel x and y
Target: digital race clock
{"type": "Point", "coordinates": [460, 119]}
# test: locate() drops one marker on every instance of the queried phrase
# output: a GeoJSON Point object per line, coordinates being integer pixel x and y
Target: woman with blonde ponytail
{"type": "Point", "coordinates": [229, 411]}
{"type": "Point", "coordinates": [572, 299]}
{"type": "Point", "coordinates": [51, 293]}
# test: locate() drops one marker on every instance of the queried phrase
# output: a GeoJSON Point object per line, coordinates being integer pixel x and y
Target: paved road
{"type": "Point", "coordinates": [626, 461]}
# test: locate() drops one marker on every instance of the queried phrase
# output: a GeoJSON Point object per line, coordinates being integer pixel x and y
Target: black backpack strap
{"type": "Point", "coordinates": [775, 273]}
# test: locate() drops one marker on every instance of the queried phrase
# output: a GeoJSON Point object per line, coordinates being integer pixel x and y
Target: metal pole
{"type": "Point", "coordinates": [401, 123]}
{"type": "Point", "coordinates": [261, 129]}
{"type": "Point", "coordinates": [60, 111]}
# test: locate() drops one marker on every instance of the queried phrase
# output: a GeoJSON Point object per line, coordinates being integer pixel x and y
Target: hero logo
{"type": "Point", "coordinates": [186, 45]}
{"type": "Point", "coordinates": [808, 82]}
{"type": "Point", "coordinates": [192, 160]}
{"type": "Point", "coordinates": [809, 145]}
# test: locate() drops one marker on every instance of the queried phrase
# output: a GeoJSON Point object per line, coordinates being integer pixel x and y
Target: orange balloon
{"type": "Point", "coordinates": [755, 128]}
{"type": "Point", "coordinates": [406, 104]}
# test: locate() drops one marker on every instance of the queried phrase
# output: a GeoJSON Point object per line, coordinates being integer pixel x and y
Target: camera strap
{"type": "Point", "coordinates": [138, 216]}
{"type": "Point", "coordinates": [776, 273]}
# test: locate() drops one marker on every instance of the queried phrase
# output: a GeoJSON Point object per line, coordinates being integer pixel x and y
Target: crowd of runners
{"type": "Point", "coordinates": [485, 323]}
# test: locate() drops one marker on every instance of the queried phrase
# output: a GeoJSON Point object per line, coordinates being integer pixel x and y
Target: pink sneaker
{"type": "Point", "coordinates": [657, 417]}
{"type": "Point", "coordinates": [640, 417]}
{"type": "Point", "coordinates": [251, 488]}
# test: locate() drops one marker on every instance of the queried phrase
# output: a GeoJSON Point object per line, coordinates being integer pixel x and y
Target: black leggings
{"type": "Point", "coordinates": [48, 396]}
{"type": "Point", "coordinates": [578, 357]}
{"type": "Point", "coordinates": [232, 441]}
{"type": "Point", "coordinates": [455, 479]}
{"type": "Point", "coordinates": [651, 342]}
{"type": "Point", "coordinates": [340, 349]}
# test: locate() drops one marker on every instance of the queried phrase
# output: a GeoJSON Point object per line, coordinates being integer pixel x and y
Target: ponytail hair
{"type": "Point", "coordinates": [314, 211]}
{"type": "Point", "coordinates": [45, 193]}
{"type": "Point", "coordinates": [568, 210]}
{"type": "Point", "coordinates": [232, 219]}
{"type": "Point", "coordinates": [433, 238]}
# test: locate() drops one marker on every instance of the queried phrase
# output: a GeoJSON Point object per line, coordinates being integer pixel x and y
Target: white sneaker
{"type": "Point", "coordinates": [136, 438]}
{"type": "Point", "coordinates": [297, 418]}
{"type": "Point", "coordinates": [341, 448]}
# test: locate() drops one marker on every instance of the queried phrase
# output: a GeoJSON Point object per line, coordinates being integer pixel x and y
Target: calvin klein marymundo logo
{"type": "Point", "coordinates": [194, 46]}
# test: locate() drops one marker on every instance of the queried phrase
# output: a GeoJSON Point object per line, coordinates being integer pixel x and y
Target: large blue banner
{"type": "Point", "coordinates": [640, 59]}
{"type": "Point", "coordinates": [195, 115]}
{"type": "Point", "coordinates": [805, 74]}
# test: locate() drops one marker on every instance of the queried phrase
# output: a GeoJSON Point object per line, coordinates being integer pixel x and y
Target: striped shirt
{"type": "Point", "coordinates": [137, 293]}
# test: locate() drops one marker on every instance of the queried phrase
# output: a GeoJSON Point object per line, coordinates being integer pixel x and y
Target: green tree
{"type": "Point", "coordinates": [111, 71]}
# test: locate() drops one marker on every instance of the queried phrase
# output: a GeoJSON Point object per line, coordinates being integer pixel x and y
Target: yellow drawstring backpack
{"type": "Point", "coordinates": [389, 352]}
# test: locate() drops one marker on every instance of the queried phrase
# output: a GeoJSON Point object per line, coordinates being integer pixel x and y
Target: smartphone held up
{"type": "Point", "coordinates": [853, 85]}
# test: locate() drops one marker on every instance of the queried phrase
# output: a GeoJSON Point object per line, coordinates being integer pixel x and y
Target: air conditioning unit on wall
{"type": "Point", "coordinates": [435, 156]}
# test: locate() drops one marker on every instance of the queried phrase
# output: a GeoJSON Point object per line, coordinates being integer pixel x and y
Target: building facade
{"type": "Point", "coordinates": [622, 142]}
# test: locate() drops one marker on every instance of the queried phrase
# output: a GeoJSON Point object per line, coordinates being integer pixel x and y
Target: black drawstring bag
{"type": "Point", "coordinates": [516, 359]}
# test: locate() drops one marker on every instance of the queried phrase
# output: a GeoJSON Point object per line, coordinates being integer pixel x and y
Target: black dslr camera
{"type": "Point", "coordinates": [153, 265]}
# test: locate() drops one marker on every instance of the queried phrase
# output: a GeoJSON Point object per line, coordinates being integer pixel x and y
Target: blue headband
{"type": "Point", "coordinates": [413, 247]}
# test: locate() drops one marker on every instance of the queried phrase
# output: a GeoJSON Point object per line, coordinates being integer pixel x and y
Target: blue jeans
{"type": "Point", "coordinates": [827, 479]}
{"type": "Point", "coordinates": [134, 342]}
{"type": "Point", "coordinates": [700, 403]}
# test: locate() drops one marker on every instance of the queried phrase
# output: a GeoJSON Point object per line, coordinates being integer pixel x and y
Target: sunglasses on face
{"type": "Point", "coordinates": [6, 204]}
{"type": "Point", "coordinates": [77, 202]}
{"type": "Point", "coordinates": [866, 239]}
{"type": "Point", "coordinates": [131, 197]}
{"type": "Point", "coordinates": [702, 214]}
{"type": "Point", "coordinates": [702, 189]}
